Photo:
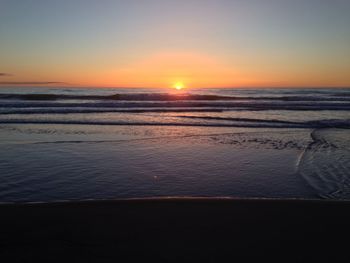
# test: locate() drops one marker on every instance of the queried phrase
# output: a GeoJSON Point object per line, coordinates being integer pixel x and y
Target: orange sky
{"type": "Point", "coordinates": [193, 69]}
{"type": "Point", "coordinates": [157, 43]}
{"type": "Point", "coordinates": [196, 70]}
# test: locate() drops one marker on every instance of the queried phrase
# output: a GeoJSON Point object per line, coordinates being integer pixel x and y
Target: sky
{"type": "Point", "coordinates": [157, 43]}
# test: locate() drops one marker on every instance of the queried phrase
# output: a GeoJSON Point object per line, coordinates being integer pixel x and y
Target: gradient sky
{"type": "Point", "coordinates": [156, 43]}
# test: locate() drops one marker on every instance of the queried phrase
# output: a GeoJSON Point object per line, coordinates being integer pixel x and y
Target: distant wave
{"type": "Point", "coordinates": [16, 108]}
{"type": "Point", "coordinates": [118, 97]}
{"type": "Point", "coordinates": [169, 97]}
{"type": "Point", "coordinates": [78, 110]}
{"type": "Point", "coordinates": [249, 123]}
{"type": "Point", "coordinates": [184, 104]}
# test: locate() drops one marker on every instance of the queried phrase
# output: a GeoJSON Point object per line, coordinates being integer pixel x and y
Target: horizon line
{"type": "Point", "coordinates": [189, 88]}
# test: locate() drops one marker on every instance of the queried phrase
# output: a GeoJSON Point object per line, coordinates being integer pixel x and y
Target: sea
{"type": "Point", "coordinates": [63, 144]}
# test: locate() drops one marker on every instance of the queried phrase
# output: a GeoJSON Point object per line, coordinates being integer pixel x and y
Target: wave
{"type": "Point", "coordinates": [239, 119]}
{"type": "Point", "coordinates": [325, 164]}
{"type": "Point", "coordinates": [185, 104]}
{"type": "Point", "coordinates": [119, 97]}
{"type": "Point", "coordinates": [78, 110]}
{"type": "Point", "coordinates": [248, 123]}
{"type": "Point", "coordinates": [169, 97]}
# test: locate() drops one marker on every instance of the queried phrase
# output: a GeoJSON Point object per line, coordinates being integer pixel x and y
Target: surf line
{"type": "Point", "coordinates": [322, 169]}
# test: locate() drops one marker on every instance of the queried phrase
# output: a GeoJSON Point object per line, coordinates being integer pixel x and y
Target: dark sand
{"type": "Point", "coordinates": [176, 230]}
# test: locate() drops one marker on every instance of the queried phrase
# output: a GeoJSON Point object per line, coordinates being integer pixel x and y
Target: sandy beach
{"type": "Point", "coordinates": [175, 230]}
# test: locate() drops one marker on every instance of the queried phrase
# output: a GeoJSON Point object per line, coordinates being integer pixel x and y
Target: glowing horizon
{"type": "Point", "coordinates": [200, 44]}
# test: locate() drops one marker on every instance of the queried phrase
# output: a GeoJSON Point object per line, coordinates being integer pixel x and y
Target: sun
{"type": "Point", "coordinates": [179, 86]}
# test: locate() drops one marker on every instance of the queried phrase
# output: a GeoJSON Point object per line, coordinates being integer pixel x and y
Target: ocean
{"type": "Point", "coordinates": [61, 144]}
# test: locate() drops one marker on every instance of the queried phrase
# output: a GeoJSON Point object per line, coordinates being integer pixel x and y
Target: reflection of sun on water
{"type": "Point", "coordinates": [179, 85]}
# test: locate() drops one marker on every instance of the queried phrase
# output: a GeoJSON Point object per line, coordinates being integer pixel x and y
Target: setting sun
{"type": "Point", "coordinates": [179, 86]}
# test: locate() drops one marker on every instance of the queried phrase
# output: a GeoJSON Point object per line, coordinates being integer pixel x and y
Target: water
{"type": "Point", "coordinates": [272, 108]}
{"type": "Point", "coordinates": [74, 144]}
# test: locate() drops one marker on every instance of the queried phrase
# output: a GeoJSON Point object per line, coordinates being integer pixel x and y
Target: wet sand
{"type": "Point", "coordinates": [175, 230]}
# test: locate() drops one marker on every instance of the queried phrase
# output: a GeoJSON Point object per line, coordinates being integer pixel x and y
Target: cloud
{"type": "Point", "coordinates": [2, 74]}
{"type": "Point", "coordinates": [32, 83]}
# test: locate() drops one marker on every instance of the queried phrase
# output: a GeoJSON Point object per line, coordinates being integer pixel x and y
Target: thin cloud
{"type": "Point", "coordinates": [32, 83]}
{"type": "Point", "coordinates": [2, 74]}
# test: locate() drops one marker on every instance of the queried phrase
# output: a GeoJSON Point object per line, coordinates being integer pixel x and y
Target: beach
{"type": "Point", "coordinates": [174, 131]}
{"type": "Point", "coordinates": [175, 230]}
